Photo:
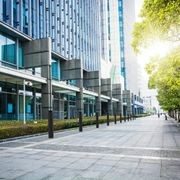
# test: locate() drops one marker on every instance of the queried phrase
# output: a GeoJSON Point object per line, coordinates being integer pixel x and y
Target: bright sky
{"type": "Point", "coordinates": [138, 4]}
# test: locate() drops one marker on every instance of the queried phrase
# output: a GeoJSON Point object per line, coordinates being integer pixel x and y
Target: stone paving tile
{"type": "Point", "coordinates": [117, 173]}
{"type": "Point", "coordinates": [100, 167]}
{"type": "Point", "coordinates": [106, 162]}
{"type": "Point", "coordinates": [11, 174]}
{"type": "Point", "coordinates": [89, 174]}
{"type": "Point", "coordinates": [171, 172]}
{"type": "Point", "coordinates": [37, 174]}
{"type": "Point", "coordinates": [127, 165]}
{"type": "Point", "coordinates": [64, 174]}
{"type": "Point", "coordinates": [82, 164]}
{"type": "Point", "coordinates": [148, 148]}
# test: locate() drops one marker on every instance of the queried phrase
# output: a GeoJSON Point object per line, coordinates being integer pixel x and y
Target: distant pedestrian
{"type": "Point", "coordinates": [158, 115]}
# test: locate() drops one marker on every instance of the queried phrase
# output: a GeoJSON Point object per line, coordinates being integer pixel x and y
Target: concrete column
{"type": "Point", "coordinates": [88, 110]}
{"type": "Point", "coordinates": [127, 96]}
{"type": "Point", "coordinates": [98, 101]}
{"type": "Point", "coordinates": [17, 93]}
{"type": "Point", "coordinates": [61, 106]}
{"type": "Point", "coordinates": [92, 81]}
{"type": "Point", "coordinates": [98, 105]}
{"type": "Point", "coordinates": [79, 97]}
{"type": "Point", "coordinates": [106, 89]}
{"type": "Point", "coordinates": [68, 108]}
{"type": "Point", "coordinates": [37, 53]}
{"type": "Point", "coordinates": [34, 103]}
{"type": "Point", "coordinates": [110, 107]}
{"type": "Point", "coordinates": [46, 91]}
{"type": "Point", "coordinates": [116, 93]}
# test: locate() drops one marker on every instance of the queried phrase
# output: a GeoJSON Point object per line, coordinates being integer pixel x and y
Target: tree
{"type": "Point", "coordinates": [164, 74]}
{"type": "Point", "coordinates": [160, 19]}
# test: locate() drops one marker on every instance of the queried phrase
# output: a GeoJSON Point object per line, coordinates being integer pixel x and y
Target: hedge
{"type": "Point", "coordinates": [10, 129]}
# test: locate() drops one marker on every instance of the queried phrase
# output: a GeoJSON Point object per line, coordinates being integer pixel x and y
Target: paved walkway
{"type": "Point", "coordinates": [147, 148]}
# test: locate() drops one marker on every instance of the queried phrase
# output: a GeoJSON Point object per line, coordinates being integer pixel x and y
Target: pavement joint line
{"type": "Point", "coordinates": [105, 154]}
{"type": "Point", "coordinates": [122, 147]}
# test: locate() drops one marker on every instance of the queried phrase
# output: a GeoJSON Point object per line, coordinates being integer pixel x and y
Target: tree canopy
{"type": "Point", "coordinates": [164, 74]}
{"type": "Point", "coordinates": [160, 19]}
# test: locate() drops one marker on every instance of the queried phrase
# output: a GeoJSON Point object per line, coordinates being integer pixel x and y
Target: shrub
{"type": "Point", "coordinates": [9, 129]}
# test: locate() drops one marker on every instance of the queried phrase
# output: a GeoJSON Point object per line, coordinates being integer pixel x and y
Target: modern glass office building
{"type": "Point", "coordinates": [73, 25]}
{"type": "Point", "coordinates": [50, 58]}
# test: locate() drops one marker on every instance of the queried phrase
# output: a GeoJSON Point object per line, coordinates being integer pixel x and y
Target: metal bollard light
{"type": "Point", "coordinates": [50, 124]}
{"type": "Point", "coordinates": [80, 122]}
{"type": "Point", "coordinates": [165, 117]}
{"type": "Point", "coordinates": [97, 120]}
{"type": "Point", "coordinates": [115, 118]}
{"type": "Point", "coordinates": [120, 118]}
{"type": "Point", "coordinates": [107, 119]}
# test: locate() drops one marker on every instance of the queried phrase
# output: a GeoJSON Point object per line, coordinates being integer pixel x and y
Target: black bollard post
{"type": "Point", "coordinates": [50, 124]}
{"type": "Point", "coordinates": [107, 119]}
{"type": "Point", "coordinates": [120, 118]}
{"type": "Point", "coordinates": [115, 118]}
{"type": "Point", "coordinates": [80, 122]}
{"type": "Point", "coordinates": [97, 120]}
{"type": "Point", "coordinates": [165, 117]}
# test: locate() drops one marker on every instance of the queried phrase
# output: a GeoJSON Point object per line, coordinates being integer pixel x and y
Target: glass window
{"type": "Point", "coordinates": [7, 50]}
{"type": "Point", "coordinates": [25, 17]}
{"type": "Point", "coordinates": [2, 47]}
{"type": "Point", "coordinates": [10, 51]}
{"type": "Point", "coordinates": [4, 11]}
{"type": "Point", "coordinates": [15, 14]}
{"type": "Point", "coordinates": [55, 73]}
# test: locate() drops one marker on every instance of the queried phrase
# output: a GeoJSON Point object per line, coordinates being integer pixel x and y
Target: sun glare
{"type": "Point", "coordinates": [157, 48]}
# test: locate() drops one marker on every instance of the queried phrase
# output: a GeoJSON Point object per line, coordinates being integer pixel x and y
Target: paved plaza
{"type": "Point", "coordinates": [146, 148]}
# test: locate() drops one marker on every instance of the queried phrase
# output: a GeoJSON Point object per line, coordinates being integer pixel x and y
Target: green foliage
{"type": "Point", "coordinates": [9, 129]}
{"type": "Point", "coordinates": [160, 19]}
{"type": "Point", "coordinates": [165, 76]}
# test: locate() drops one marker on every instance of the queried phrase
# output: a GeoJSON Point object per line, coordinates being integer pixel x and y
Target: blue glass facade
{"type": "Point", "coordinates": [55, 69]}
{"type": "Point", "coordinates": [73, 25]}
{"type": "Point", "coordinates": [121, 33]}
{"type": "Point", "coordinates": [8, 52]}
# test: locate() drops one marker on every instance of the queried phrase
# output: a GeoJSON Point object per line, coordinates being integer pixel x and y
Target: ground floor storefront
{"type": "Point", "coordinates": [13, 103]}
